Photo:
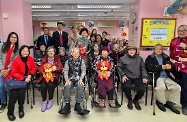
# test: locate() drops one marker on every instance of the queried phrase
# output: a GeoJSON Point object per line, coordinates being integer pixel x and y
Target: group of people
{"type": "Point", "coordinates": [99, 60]}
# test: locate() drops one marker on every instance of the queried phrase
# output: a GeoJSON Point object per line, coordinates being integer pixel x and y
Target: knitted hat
{"type": "Point", "coordinates": [132, 47]}
{"type": "Point", "coordinates": [105, 49]}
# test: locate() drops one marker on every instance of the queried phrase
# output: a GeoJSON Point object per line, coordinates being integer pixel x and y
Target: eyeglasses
{"type": "Point", "coordinates": [182, 31]}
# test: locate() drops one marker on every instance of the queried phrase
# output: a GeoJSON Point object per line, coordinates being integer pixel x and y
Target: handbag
{"type": "Point", "coordinates": [15, 84]}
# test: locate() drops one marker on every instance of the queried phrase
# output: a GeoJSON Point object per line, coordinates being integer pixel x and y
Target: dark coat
{"type": "Point", "coordinates": [152, 65]}
{"type": "Point", "coordinates": [116, 56]}
{"type": "Point", "coordinates": [39, 55]}
{"type": "Point", "coordinates": [56, 40]}
{"type": "Point", "coordinates": [41, 39]}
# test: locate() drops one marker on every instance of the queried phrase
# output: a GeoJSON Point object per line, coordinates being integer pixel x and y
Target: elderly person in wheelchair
{"type": "Point", "coordinates": [103, 67]}
{"type": "Point", "coordinates": [74, 73]}
{"type": "Point", "coordinates": [159, 63]}
{"type": "Point", "coordinates": [132, 69]}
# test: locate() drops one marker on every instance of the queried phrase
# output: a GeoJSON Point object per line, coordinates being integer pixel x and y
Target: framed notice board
{"type": "Point", "coordinates": [157, 31]}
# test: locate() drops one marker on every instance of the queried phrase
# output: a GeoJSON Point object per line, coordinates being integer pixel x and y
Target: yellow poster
{"type": "Point", "coordinates": [157, 31]}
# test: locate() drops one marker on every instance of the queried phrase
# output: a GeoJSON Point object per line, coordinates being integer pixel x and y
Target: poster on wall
{"type": "Point", "coordinates": [157, 31]}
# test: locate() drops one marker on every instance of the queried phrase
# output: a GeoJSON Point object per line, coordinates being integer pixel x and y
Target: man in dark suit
{"type": "Point", "coordinates": [45, 39]}
{"type": "Point", "coordinates": [60, 38]}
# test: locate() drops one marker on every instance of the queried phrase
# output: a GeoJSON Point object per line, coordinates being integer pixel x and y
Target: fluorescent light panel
{"type": "Point", "coordinates": [45, 15]}
{"type": "Point", "coordinates": [41, 6]}
{"type": "Point", "coordinates": [99, 6]}
{"type": "Point", "coordinates": [87, 14]}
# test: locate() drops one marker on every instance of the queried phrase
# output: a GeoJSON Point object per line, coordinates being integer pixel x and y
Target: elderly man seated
{"type": "Point", "coordinates": [132, 69]}
{"type": "Point", "coordinates": [159, 63]}
{"type": "Point", "coordinates": [74, 72]}
{"type": "Point", "coordinates": [104, 77]}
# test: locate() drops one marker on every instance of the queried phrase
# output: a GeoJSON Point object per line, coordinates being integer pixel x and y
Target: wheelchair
{"type": "Point", "coordinates": [94, 90]}
{"type": "Point", "coordinates": [37, 86]}
{"type": "Point", "coordinates": [73, 90]}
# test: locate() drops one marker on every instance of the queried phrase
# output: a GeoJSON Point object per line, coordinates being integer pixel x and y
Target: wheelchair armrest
{"type": "Point", "coordinates": [118, 72]}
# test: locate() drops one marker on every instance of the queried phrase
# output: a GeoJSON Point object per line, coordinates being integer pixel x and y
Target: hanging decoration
{"type": "Point", "coordinates": [124, 33]}
{"type": "Point", "coordinates": [91, 24]}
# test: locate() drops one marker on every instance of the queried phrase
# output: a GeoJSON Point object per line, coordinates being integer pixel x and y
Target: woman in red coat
{"type": "Point", "coordinates": [23, 68]}
{"type": "Point", "coordinates": [49, 84]}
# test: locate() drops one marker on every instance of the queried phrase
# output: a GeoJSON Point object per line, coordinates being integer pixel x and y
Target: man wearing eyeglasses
{"type": "Point", "coordinates": [178, 56]}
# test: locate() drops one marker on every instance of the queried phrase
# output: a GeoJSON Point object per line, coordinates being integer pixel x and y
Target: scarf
{"type": "Point", "coordinates": [8, 55]}
{"type": "Point", "coordinates": [84, 39]}
{"type": "Point", "coordinates": [24, 59]}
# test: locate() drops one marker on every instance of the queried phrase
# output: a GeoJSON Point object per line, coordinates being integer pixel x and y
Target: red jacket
{"type": "Point", "coordinates": [56, 63]}
{"type": "Point", "coordinates": [18, 68]}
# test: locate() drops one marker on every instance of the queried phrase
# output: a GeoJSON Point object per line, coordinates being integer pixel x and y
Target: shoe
{"type": "Point", "coordinates": [3, 106]}
{"type": "Point", "coordinates": [160, 106]}
{"type": "Point", "coordinates": [49, 104]}
{"type": "Point", "coordinates": [66, 109]}
{"type": "Point", "coordinates": [112, 104]}
{"type": "Point", "coordinates": [44, 107]}
{"type": "Point", "coordinates": [79, 110]}
{"type": "Point", "coordinates": [137, 105]}
{"type": "Point", "coordinates": [11, 117]}
{"type": "Point", "coordinates": [171, 107]}
{"type": "Point", "coordinates": [184, 110]}
{"type": "Point", "coordinates": [21, 114]}
{"type": "Point", "coordinates": [129, 105]}
{"type": "Point", "coordinates": [101, 103]}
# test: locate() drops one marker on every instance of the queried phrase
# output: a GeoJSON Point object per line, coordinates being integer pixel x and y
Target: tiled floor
{"type": "Point", "coordinates": [96, 114]}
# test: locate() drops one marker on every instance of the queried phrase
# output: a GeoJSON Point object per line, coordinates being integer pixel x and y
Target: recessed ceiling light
{"type": "Point", "coordinates": [41, 6]}
{"type": "Point", "coordinates": [99, 6]}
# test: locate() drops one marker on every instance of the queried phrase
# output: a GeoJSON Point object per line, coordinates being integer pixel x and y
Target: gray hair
{"type": "Point", "coordinates": [183, 26]}
{"type": "Point", "coordinates": [74, 49]}
{"type": "Point", "coordinates": [114, 37]}
{"type": "Point", "coordinates": [115, 45]}
{"type": "Point", "coordinates": [62, 49]}
{"type": "Point", "coordinates": [51, 47]}
{"type": "Point", "coordinates": [158, 45]}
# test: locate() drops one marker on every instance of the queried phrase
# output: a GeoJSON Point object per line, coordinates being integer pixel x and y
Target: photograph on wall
{"type": "Point", "coordinates": [157, 31]}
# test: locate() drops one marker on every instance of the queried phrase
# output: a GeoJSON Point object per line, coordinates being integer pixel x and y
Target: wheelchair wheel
{"type": "Point", "coordinates": [92, 102]}
{"type": "Point", "coordinates": [61, 104]}
{"type": "Point", "coordinates": [84, 104]}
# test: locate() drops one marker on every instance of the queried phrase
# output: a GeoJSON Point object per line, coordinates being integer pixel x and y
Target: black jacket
{"type": "Point", "coordinates": [56, 40]}
{"type": "Point", "coordinates": [152, 65]}
{"type": "Point", "coordinates": [41, 39]}
{"type": "Point", "coordinates": [39, 55]}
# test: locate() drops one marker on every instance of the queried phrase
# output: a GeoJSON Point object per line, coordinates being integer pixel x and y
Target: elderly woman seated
{"type": "Point", "coordinates": [132, 69]}
{"type": "Point", "coordinates": [103, 66]}
{"type": "Point", "coordinates": [159, 63]}
{"type": "Point", "coordinates": [74, 72]}
{"type": "Point", "coordinates": [49, 70]}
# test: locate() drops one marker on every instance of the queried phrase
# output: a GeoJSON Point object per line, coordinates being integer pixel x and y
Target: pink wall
{"type": "Point", "coordinates": [19, 20]}
{"type": "Point", "coordinates": [112, 31]}
{"type": "Point", "coordinates": [151, 9]}
{"type": "Point", "coordinates": [13, 23]}
{"type": "Point", "coordinates": [27, 23]}
{"type": "Point", "coordinates": [1, 26]}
